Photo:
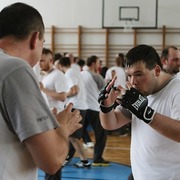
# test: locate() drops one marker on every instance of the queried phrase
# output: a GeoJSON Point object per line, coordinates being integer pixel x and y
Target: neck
{"type": "Point", "coordinates": [16, 48]}
{"type": "Point", "coordinates": [91, 68]}
{"type": "Point", "coordinates": [164, 80]}
{"type": "Point", "coordinates": [50, 70]}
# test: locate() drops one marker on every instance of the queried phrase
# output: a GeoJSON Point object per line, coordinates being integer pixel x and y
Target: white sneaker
{"type": "Point", "coordinates": [88, 145]}
{"type": "Point", "coordinates": [80, 164]}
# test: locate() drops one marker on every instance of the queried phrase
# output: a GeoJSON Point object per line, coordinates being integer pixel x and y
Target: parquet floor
{"type": "Point", "coordinates": [117, 149]}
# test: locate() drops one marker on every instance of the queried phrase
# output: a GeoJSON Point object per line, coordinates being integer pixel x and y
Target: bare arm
{"type": "Point", "coordinates": [49, 149]}
{"type": "Point", "coordinates": [52, 93]}
{"type": "Point", "coordinates": [73, 91]}
{"type": "Point", "coordinates": [113, 120]}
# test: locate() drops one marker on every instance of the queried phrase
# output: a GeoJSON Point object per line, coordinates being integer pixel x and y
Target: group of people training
{"type": "Point", "coordinates": [62, 82]}
{"type": "Point", "coordinates": [35, 135]}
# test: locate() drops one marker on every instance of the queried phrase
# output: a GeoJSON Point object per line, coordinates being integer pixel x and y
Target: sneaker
{"type": "Point", "coordinates": [123, 135]}
{"type": "Point", "coordinates": [67, 160]}
{"type": "Point", "coordinates": [65, 163]}
{"type": "Point", "coordinates": [101, 163]}
{"type": "Point", "coordinates": [81, 164]}
{"type": "Point", "coordinates": [88, 145]}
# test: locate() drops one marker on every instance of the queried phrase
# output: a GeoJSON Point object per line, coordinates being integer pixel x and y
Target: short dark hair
{"type": "Point", "coordinates": [143, 53]}
{"type": "Point", "coordinates": [20, 20]}
{"type": "Point", "coordinates": [81, 62]}
{"type": "Point", "coordinates": [121, 55]}
{"type": "Point", "coordinates": [91, 59]}
{"type": "Point", "coordinates": [65, 61]}
{"type": "Point", "coordinates": [165, 52]}
{"type": "Point", "coordinates": [57, 57]}
{"type": "Point", "coordinates": [47, 51]}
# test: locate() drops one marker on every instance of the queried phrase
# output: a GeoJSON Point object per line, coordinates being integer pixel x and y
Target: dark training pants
{"type": "Point", "coordinates": [92, 118]}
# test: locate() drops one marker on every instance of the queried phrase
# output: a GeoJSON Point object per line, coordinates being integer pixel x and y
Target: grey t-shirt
{"type": "Point", "coordinates": [23, 114]}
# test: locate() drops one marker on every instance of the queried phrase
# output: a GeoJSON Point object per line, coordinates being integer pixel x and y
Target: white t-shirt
{"type": "Point", "coordinates": [38, 72]}
{"type": "Point", "coordinates": [25, 113]}
{"type": "Point", "coordinates": [74, 78]}
{"type": "Point", "coordinates": [93, 84]}
{"type": "Point", "coordinates": [55, 80]}
{"type": "Point", "coordinates": [76, 67]}
{"type": "Point", "coordinates": [119, 72]}
{"type": "Point", "coordinates": [39, 77]}
{"type": "Point", "coordinates": [153, 156]}
{"type": "Point", "coordinates": [178, 75]}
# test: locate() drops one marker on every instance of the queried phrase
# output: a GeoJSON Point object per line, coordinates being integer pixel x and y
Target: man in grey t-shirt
{"type": "Point", "coordinates": [27, 126]}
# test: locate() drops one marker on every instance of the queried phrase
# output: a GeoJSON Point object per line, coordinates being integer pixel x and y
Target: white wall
{"type": "Point", "coordinates": [169, 13]}
{"type": "Point", "coordinates": [66, 13]}
{"type": "Point", "coordinates": [88, 13]}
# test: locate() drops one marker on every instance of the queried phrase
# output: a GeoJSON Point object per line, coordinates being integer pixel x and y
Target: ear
{"type": "Point", "coordinates": [163, 61]}
{"type": "Point", "coordinates": [33, 40]}
{"type": "Point", "coordinates": [157, 70]}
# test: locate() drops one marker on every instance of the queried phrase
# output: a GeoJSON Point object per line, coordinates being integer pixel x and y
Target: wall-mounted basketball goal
{"type": "Point", "coordinates": [125, 14]}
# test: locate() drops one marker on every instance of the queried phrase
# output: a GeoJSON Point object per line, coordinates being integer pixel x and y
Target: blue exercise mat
{"type": "Point", "coordinates": [115, 171]}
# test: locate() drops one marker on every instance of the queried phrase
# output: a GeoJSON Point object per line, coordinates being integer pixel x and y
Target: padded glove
{"type": "Point", "coordinates": [137, 103]}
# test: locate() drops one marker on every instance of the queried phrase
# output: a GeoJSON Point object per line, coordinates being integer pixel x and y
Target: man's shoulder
{"type": "Point", "coordinates": [85, 72]}
{"type": "Point", "coordinates": [7, 60]}
{"type": "Point", "coordinates": [58, 72]}
{"type": "Point", "coordinates": [9, 64]}
{"type": "Point", "coordinates": [178, 75]}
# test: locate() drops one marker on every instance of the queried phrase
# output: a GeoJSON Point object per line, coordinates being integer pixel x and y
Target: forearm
{"type": "Point", "coordinates": [63, 135]}
{"type": "Point", "coordinates": [48, 150]}
{"type": "Point", "coordinates": [73, 91]}
{"type": "Point", "coordinates": [166, 126]}
{"type": "Point", "coordinates": [53, 94]}
{"type": "Point", "coordinates": [113, 120]}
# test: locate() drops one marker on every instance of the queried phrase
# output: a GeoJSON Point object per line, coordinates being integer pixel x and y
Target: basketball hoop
{"type": "Point", "coordinates": [128, 24]}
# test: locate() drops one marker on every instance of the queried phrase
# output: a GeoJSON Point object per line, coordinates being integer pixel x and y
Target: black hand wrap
{"type": "Point", "coordinates": [102, 97]}
{"type": "Point", "coordinates": [137, 103]}
{"type": "Point", "coordinates": [103, 92]}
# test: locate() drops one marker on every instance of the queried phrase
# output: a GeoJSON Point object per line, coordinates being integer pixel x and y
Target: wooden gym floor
{"type": "Point", "coordinates": [117, 149]}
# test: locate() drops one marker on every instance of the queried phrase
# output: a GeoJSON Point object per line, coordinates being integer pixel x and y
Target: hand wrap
{"type": "Point", "coordinates": [102, 96]}
{"type": "Point", "coordinates": [137, 103]}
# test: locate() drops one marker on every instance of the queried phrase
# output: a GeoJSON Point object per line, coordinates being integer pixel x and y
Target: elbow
{"type": "Point", "coordinates": [106, 126]}
{"type": "Point", "coordinates": [54, 162]}
{"type": "Point", "coordinates": [52, 168]}
{"type": "Point", "coordinates": [63, 99]}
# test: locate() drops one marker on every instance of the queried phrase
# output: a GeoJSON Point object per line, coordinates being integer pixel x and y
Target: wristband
{"type": "Point", "coordinates": [106, 109]}
{"type": "Point", "coordinates": [148, 115]}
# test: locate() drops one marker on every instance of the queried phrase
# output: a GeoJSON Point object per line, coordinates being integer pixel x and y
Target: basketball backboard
{"type": "Point", "coordinates": [137, 14]}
